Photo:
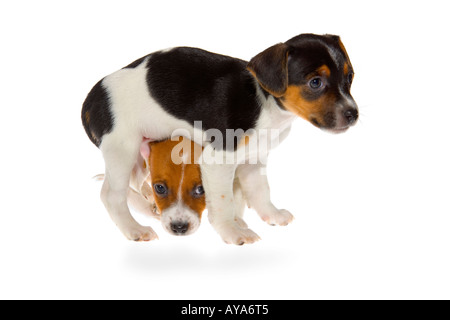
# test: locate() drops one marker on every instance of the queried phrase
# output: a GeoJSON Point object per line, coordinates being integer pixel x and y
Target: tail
{"type": "Point", "coordinates": [99, 177]}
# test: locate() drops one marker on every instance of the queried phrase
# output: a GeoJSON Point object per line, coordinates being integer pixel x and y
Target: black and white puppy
{"type": "Point", "coordinates": [308, 76]}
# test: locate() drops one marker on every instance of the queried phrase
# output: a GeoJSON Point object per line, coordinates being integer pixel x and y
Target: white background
{"type": "Point", "coordinates": [371, 205]}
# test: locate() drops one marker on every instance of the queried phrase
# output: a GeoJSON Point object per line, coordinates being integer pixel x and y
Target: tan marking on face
{"type": "Point", "coordinates": [295, 102]}
{"type": "Point", "coordinates": [324, 71]}
{"type": "Point", "coordinates": [294, 98]}
{"type": "Point", "coordinates": [192, 179]}
{"type": "Point", "coordinates": [347, 64]}
{"type": "Point", "coordinates": [183, 177]}
{"type": "Point", "coordinates": [163, 171]}
{"type": "Point", "coordinates": [87, 117]}
{"type": "Point", "coordinates": [346, 68]}
{"type": "Point", "coordinates": [341, 45]}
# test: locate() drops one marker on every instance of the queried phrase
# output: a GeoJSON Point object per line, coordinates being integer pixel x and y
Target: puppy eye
{"type": "Point", "coordinates": [160, 189]}
{"type": "Point", "coordinates": [316, 83]}
{"type": "Point", "coordinates": [199, 191]}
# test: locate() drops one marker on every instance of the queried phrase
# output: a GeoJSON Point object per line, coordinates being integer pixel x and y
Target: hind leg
{"type": "Point", "coordinates": [120, 154]}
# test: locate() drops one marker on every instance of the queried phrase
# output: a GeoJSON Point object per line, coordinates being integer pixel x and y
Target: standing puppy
{"type": "Point", "coordinates": [308, 76]}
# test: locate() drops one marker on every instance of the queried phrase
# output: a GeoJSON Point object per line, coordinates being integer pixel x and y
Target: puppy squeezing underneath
{"type": "Point", "coordinates": [308, 76]}
{"type": "Point", "coordinates": [176, 183]}
{"type": "Point", "coordinates": [166, 184]}
{"type": "Point", "coordinates": [167, 180]}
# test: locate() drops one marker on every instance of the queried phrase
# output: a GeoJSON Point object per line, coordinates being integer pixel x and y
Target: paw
{"type": "Point", "coordinates": [140, 234]}
{"type": "Point", "coordinates": [234, 234]}
{"type": "Point", "coordinates": [241, 223]}
{"type": "Point", "coordinates": [278, 217]}
{"type": "Point", "coordinates": [153, 211]}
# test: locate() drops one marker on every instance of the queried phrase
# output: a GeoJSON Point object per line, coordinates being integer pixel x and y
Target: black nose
{"type": "Point", "coordinates": [351, 115]}
{"type": "Point", "coordinates": [179, 227]}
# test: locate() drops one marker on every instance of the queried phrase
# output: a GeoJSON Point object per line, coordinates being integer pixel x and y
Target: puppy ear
{"type": "Point", "coordinates": [270, 69]}
{"type": "Point", "coordinates": [145, 149]}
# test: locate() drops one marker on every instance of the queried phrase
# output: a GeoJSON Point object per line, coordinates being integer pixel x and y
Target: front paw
{"type": "Point", "coordinates": [278, 217]}
{"type": "Point", "coordinates": [140, 233]}
{"type": "Point", "coordinates": [234, 234]}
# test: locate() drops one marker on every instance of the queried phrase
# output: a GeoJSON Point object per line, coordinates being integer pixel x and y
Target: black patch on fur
{"type": "Point", "coordinates": [197, 85]}
{"type": "Point", "coordinates": [96, 114]}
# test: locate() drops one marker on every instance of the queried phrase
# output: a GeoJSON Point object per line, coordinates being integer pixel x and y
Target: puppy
{"type": "Point", "coordinates": [167, 185]}
{"type": "Point", "coordinates": [205, 97]}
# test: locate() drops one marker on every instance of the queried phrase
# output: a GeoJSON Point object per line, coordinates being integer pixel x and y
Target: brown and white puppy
{"type": "Point", "coordinates": [167, 185]}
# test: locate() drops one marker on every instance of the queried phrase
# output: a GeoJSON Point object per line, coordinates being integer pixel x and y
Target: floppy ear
{"type": "Point", "coordinates": [270, 69]}
{"type": "Point", "coordinates": [145, 149]}
{"type": "Point", "coordinates": [142, 172]}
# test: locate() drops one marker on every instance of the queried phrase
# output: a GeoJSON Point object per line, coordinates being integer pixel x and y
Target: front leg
{"type": "Point", "coordinates": [222, 208]}
{"type": "Point", "coordinates": [120, 157]}
{"type": "Point", "coordinates": [256, 189]}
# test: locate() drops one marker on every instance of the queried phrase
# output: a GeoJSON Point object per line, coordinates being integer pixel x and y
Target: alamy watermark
{"type": "Point", "coordinates": [234, 146]}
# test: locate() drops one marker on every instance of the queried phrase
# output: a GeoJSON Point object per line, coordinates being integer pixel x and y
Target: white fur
{"type": "Point", "coordinates": [180, 212]}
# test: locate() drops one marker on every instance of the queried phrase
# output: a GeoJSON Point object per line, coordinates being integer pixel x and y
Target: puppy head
{"type": "Point", "coordinates": [177, 185]}
{"type": "Point", "coordinates": [311, 76]}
